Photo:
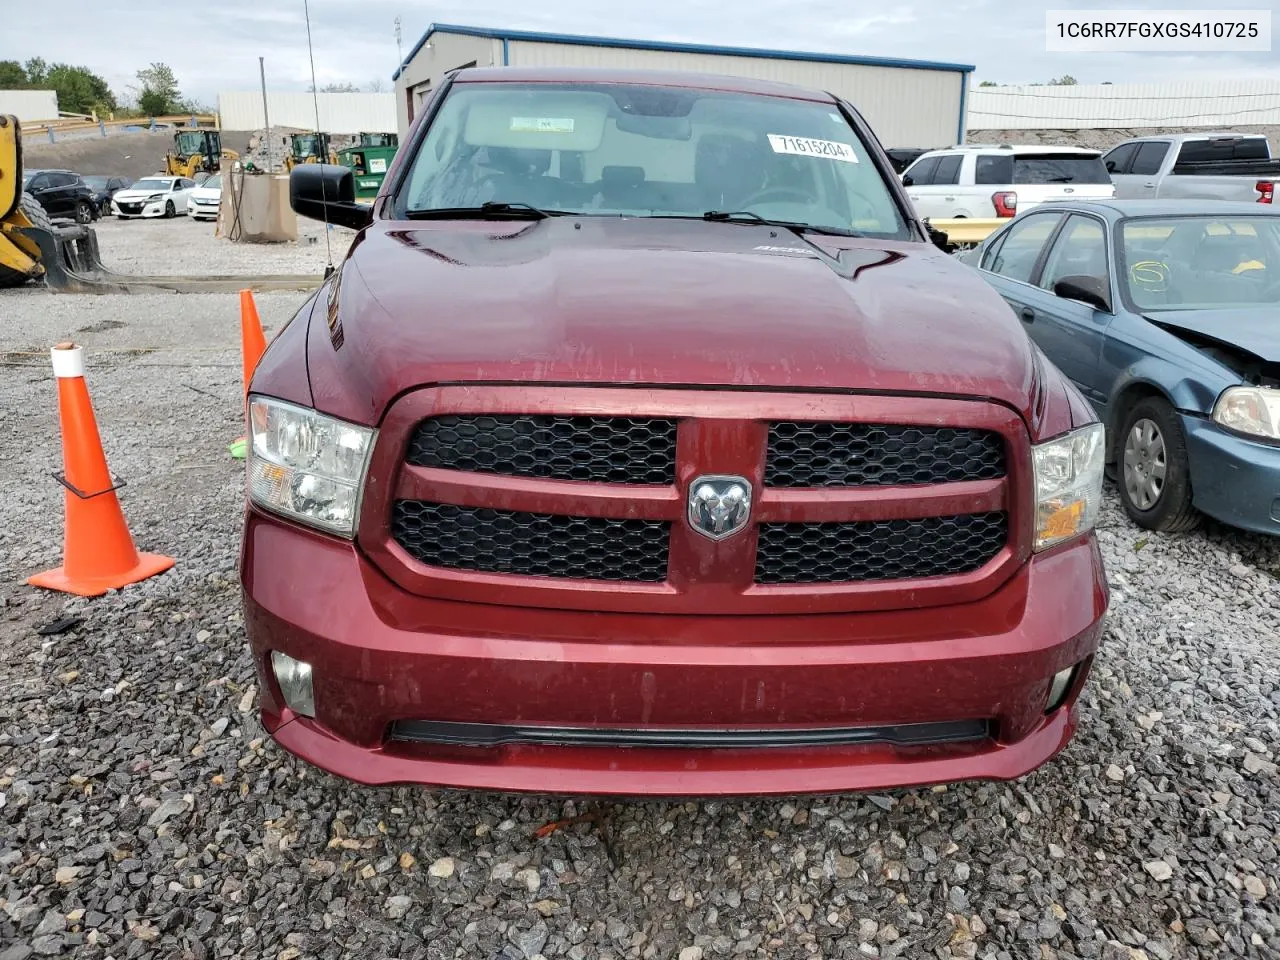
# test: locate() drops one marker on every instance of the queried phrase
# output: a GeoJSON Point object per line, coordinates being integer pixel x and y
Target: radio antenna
{"type": "Point", "coordinates": [315, 99]}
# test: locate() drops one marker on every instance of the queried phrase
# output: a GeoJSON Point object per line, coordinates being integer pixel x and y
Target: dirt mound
{"type": "Point", "coordinates": [130, 155]}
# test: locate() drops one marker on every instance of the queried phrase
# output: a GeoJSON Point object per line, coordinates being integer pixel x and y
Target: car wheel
{"type": "Point", "coordinates": [84, 212]}
{"type": "Point", "coordinates": [169, 211]}
{"type": "Point", "coordinates": [1154, 480]}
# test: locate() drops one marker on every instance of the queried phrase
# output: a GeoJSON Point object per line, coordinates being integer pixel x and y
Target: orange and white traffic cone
{"type": "Point", "coordinates": [98, 552]}
{"type": "Point", "coordinates": [253, 344]}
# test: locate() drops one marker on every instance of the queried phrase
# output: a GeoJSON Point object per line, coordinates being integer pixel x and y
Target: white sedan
{"type": "Point", "coordinates": [204, 199]}
{"type": "Point", "coordinates": [153, 197]}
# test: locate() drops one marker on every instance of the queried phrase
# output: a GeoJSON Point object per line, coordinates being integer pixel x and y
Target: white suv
{"type": "Point", "coordinates": [999, 181]}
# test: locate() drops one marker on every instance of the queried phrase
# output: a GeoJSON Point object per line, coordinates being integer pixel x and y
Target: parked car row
{"type": "Point", "coordinates": [996, 181]}
{"type": "Point", "coordinates": [66, 194]}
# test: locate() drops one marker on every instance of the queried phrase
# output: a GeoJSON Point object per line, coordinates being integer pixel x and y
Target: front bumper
{"type": "Point", "coordinates": [132, 209]}
{"type": "Point", "coordinates": [1233, 479]}
{"type": "Point", "coordinates": [381, 655]}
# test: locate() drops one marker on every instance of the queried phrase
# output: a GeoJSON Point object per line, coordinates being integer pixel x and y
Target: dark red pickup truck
{"type": "Point", "coordinates": [644, 443]}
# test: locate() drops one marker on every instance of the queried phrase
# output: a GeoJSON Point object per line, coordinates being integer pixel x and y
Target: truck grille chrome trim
{"type": "Point", "coordinates": [445, 733]}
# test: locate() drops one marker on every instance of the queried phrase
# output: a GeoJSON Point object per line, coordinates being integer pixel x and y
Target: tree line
{"type": "Point", "coordinates": [81, 90]}
{"type": "Point", "coordinates": [1066, 80]}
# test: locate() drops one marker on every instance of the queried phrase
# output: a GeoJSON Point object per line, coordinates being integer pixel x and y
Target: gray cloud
{"type": "Point", "coordinates": [217, 48]}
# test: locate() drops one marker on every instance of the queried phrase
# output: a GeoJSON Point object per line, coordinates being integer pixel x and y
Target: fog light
{"type": "Point", "coordinates": [1058, 688]}
{"type": "Point", "coordinates": [294, 678]}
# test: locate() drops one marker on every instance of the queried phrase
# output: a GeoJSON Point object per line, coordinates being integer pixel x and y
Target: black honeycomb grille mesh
{"type": "Point", "coordinates": [596, 449]}
{"type": "Point", "coordinates": [531, 544]}
{"type": "Point", "coordinates": [856, 454]}
{"type": "Point", "coordinates": [878, 550]}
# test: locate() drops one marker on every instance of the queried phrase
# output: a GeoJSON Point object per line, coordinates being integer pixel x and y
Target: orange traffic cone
{"type": "Point", "coordinates": [253, 343]}
{"type": "Point", "coordinates": [98, 552]}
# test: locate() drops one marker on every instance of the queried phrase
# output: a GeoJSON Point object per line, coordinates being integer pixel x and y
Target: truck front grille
{"type": "Point", "coordinates": [532, 544]}
{"type": "Point", "coordinates": [878, 550]}
{"type": "Point", "coordinates": [593, 449]}
{"type": "Point", "coordinates": [857, 454]}
{"type": "Point", "coordinates": [583, 503]}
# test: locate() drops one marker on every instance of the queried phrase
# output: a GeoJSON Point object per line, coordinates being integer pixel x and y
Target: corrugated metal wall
{"type": "Point", "coordinates": [30, 105]}
{"type": "Point", "coordinates": [341, 113]}
{"type": "Point", "coordinates": [1192, 103]}
{"type": "Point", "coordinates": [447, 51]}
{"type": "Point", "coordinates": [906, 108]}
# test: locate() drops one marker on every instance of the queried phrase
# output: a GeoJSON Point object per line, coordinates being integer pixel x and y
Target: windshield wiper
{"type": "Point", "coordinates": [796, 227]}
{"type": "Point", "coordinates": [490, 210]}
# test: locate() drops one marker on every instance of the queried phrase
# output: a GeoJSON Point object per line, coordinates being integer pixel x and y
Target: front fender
{"type": "Point", "coordinates": [1190, 391]}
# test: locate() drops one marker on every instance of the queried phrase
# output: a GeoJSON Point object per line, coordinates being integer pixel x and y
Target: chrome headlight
{"type": "Point", "coordinates": [307, 466]}
{"type": "Point", "coordinates": [1068, 473]}
{"type": "Point", "coordinates": [1252, 410]}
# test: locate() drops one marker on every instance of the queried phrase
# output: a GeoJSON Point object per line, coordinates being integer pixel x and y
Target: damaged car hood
{"type": "Point", "coordinates": [1255, 330]}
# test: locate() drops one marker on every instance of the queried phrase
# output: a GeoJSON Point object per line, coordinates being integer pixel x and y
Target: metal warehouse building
{"type": "Point", "coordinates": [909, 103]}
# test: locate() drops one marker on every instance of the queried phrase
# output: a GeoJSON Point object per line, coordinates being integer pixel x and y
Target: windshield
{"type": "Point", "coordinates": [1201, 263]}
{"type": "Point", "coordinates": [619, 149]}
{"type": "Point", "coordinates": [213, 183]}
{"type": "Point", "coordinates": [152, 185]}
{"type": "Point", "coordinates": [189, 143]}
{"type": "Point", "coordinates": [97, 183]}
{"type": "Point", "coordinates": [307, 146]}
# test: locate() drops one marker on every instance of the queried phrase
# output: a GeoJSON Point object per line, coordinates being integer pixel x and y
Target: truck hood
{"type": "Point", "coordinates": [657, 302]}
{"type": "Point", "coordinates": [1252, 329]}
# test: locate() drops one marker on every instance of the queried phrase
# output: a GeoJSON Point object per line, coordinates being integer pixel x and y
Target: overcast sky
{"type": "Point", "coordinates": [215, 48]}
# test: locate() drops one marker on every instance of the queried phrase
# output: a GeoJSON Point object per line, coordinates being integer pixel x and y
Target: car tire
{"type": "Point", "coordinates": [169, 211]}
{"type": "Point", "coordinates": [1153, 475]}
{"type": "Point", "coordinates": [39, 218]}
{"type": "Point", "coordinates": [84, 212]}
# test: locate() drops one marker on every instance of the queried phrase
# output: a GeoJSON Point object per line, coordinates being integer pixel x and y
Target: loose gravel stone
{"type": "Point", "coordinates": [193, 835]}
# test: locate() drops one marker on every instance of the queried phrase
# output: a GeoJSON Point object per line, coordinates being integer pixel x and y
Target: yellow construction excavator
{"type": "Point", "coordinates": [309, 148]}
{"type": "Point", "coordinates": [197, 151]}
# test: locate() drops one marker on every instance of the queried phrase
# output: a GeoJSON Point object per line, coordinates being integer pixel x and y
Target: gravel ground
{"type": "Point", "coordinates": [189, 247]}
{"type": "Point", "coordinates": [142, 811]}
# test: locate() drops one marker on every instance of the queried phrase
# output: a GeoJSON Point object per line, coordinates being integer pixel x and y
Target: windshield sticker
{"type": "Point", "coordinates": [836, 117]}
{"type": "Point", "coordinates": [809, 147]}
{"type": "Point", "coordinates": [378, 165]}
{"type": "Point", "coordinates": [542, 124]}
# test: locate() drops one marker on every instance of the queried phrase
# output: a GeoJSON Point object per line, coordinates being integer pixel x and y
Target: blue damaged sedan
{"type": "Point", "coordinates": [1166, 315]}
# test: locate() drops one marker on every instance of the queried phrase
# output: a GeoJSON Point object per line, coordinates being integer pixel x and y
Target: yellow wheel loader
{"type": "Point", "coordinates": [309, 148]}
{"type": "Point", "coordinates": [197, 151]}
{"type": "Point", "coordinates": [33, 247]}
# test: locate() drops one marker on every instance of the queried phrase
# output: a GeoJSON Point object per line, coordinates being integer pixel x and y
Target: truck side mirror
{"type": "Point", "coordinates": [321, 191]}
